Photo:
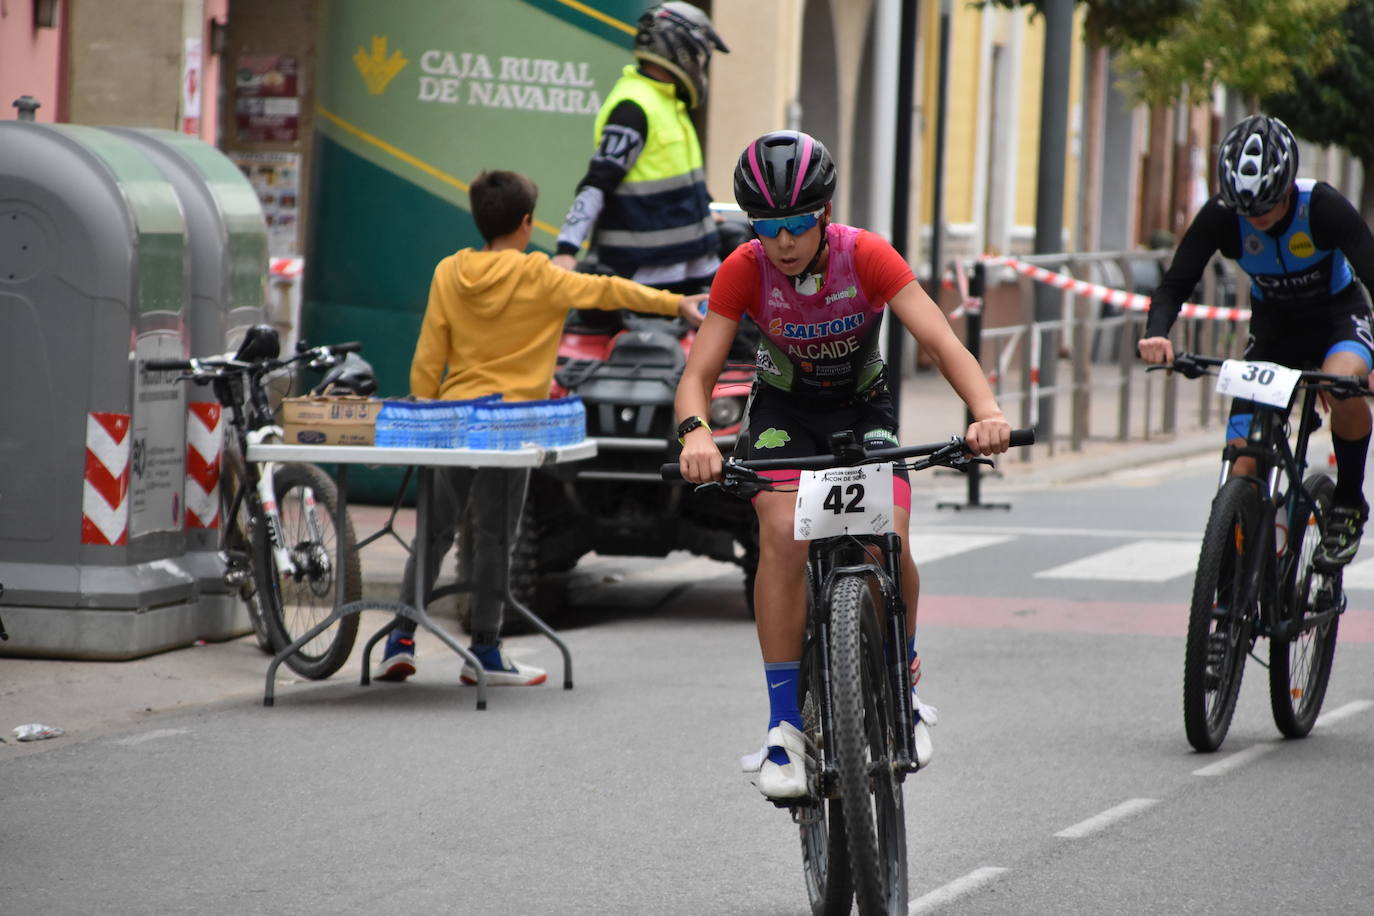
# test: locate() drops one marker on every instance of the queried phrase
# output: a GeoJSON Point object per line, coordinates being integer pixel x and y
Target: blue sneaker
{"type": "Point", "coordinates": [398, 661]}
{"type": "Point", "coordinates": [501, 669]}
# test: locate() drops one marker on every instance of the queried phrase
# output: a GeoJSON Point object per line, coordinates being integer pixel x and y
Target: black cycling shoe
{"type": "Point", "coordinates": [1342, 538]}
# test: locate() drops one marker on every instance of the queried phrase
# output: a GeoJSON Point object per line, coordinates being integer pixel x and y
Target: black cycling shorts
{"type": "Point", "coordinates": [1302, 337]}
{"type": "Point", "coordinates": [782, 425]}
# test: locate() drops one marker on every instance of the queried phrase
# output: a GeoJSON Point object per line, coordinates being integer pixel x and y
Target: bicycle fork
{"type": "Point", "coordinates": [899, 666]}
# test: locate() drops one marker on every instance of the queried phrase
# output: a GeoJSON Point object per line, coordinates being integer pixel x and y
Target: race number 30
{"type": "Point", "coordinates": [839, 501]}
{"type": "Point", "coordinates": [1259, 381]}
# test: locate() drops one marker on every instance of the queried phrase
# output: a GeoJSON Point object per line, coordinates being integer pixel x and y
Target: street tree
{"type": "Point", "coordinates": [1331, 105]}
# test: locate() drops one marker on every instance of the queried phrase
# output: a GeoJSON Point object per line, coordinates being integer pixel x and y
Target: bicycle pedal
{"type": "Point", "coordinates": [793, 804]}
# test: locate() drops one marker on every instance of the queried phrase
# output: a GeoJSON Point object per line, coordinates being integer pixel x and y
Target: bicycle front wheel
{"type": "Point", "coordinates": [1300, 666]}
{"type": "Point", "coordinates": [865, 751]}
{"type": "Point", "coordinates": [237, 551]}
{"type": "Point", "coordinates": [825, 858]}
{"type": "Point", "coordinates": [295, 600]}
{"type": "Point", "coordinates": [1220, 617]}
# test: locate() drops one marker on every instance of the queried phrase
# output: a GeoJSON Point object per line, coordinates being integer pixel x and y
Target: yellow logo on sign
{"type": "Point", "coordinates": [1301, 245]}
{"type": "Point", "coordinates": [377, 69]}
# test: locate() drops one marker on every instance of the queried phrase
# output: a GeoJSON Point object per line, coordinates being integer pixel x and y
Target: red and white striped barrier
{"type": "Point", "coordinates": [1133, 301]}
{"type": "Point", "coordinates": [105, 494]}
{"type": "Point", "coordinates": [204, 437]}
{"type": "Point", "coordinates": [286, 267]}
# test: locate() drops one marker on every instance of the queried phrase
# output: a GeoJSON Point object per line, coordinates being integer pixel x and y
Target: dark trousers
{"type": "Point", "coordinates": [487, 496]}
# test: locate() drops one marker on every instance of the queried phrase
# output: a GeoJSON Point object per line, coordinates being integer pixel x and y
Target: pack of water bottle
{"type": "Point", "coordinates": [505, 425]}
{"type": "Point", "coordinates": [482, 423]}
{"type": "Point", "coordinates": [425, 424]}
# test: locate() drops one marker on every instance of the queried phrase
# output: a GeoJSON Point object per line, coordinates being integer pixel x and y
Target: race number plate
{"type": "Point", "coordinates": [1264, 383]}
{"type": "Point", "coordinates": [838, 501]}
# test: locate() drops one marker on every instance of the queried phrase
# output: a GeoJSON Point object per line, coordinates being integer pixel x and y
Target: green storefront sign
{"type": "Point", "coordinates": [415, 99]}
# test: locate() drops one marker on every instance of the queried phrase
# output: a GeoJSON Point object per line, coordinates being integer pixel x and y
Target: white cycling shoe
{"type": "Point", "coordinates": [774, 780]}
{"type": "Point", "coordinates": [926, 716]}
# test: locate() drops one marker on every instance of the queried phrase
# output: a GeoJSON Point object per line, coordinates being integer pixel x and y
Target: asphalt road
{"type": "Point", "coordinates": [1062, 783]}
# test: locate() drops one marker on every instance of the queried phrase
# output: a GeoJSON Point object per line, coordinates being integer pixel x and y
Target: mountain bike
{"type": "Point", "coordinates": [278, 534]}
{"type": "Point", "coordinates": [855, 686]}
{"type": "Point", "coordinates": [1255, 576]}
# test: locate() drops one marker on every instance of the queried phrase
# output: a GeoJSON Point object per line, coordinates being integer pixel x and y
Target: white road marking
{"type": "Point", "coordinates": [1238, 759]}
{"type": "Point", "coordinates": [953, 890]}
{"type": "Point", "coordinates": [154, 735]}
{"type": "Point", "coordinates": [1107, 818]}
{"type": "Point", "coordinates": [1352, 708]}
{"type": "Point", "coordinates": [1041, 531]}
{"type": "Point", "coordinates": [1139, 561]}
{"type": "Point", "coordinates": [927, 548]}
{"type": "Point", "coordinates": [1359, 575]}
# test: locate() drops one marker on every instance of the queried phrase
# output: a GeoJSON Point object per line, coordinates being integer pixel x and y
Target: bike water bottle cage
{"type": "Point", "coordinates": [795, 225]}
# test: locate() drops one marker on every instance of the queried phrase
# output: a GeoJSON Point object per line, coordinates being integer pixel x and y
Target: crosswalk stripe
{"type": "Point", "coordinates": [927, 548]}
{"type": "Point", "coordinates": [1138, 561]}
{"type": "Point", "coordinates": [1359, 575]}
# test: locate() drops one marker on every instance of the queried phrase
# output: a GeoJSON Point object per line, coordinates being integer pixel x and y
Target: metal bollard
{"type": "Point", "coordinates": [27, 105]}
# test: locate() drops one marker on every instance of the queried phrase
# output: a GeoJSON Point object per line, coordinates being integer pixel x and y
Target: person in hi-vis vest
{"type": "Point", "coordinates": [644, 194]}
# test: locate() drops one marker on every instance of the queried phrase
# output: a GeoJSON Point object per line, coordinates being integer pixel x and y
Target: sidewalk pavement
{"type": "Point", "coordinates": [88, 699]}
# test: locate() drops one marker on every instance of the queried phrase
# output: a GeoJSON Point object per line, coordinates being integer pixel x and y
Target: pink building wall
{"type": "Point", "coordinates": [217, 10]}
{"type": "Point", "coordinates": [30, 60]}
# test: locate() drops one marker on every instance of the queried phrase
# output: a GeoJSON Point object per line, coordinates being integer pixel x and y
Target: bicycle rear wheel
{"type": "Point", "coordinates": [1300, 667]}
{"type": "Point", "coordinates": [825, 858]}
{"type": "Point", "coordinates": [294, 602]}
{"type": "Point", "coordinates": [1220, 617]}
{"type": "Point", "coordinates": [865, 748]}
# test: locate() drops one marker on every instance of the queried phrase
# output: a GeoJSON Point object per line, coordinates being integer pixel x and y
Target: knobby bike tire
{"type": "Point", "coordinates": [825, 857]}
{"type": "Point", "coordinates": [294, 604]}
{"type": "Point", "coordinates": [1300, 668]}
{"type": "Point", "coordinates": [1219, 627]}
{"type": "Point", "coordinates": [874, 814]}
{"type": "Point", "coordinates": [236, 547]}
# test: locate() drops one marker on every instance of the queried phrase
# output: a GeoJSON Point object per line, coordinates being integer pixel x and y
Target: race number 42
{"type": "Point", "coordinates": [837, 501]}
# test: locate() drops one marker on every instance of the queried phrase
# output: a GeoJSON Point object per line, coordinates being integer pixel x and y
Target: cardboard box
{"type": "Point", "coordinates": [329, 420]}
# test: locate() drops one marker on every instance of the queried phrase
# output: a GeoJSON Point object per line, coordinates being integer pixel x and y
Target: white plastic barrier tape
{"type": "Point", "coordinates": [1133, 301]}
{"type": "Point", "coordinates": [105, 493]}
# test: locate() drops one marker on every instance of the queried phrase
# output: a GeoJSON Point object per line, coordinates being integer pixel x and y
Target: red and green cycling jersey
{"type": "Point", "coordinates": [820, 344]}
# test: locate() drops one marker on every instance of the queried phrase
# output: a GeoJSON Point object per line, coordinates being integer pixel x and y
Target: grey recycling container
{"type": "Point", "coordinates": [94, 280]}
{"type": "Point", "coordinates": [227, 247]}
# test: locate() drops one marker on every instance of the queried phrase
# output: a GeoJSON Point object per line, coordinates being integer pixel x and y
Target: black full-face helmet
{"type": "Point", "coordinates": [679, 38]}
{"type": "Point", "coordinates": [784, 173]}
{"type": "Point", "coordinates": [1257, 165]}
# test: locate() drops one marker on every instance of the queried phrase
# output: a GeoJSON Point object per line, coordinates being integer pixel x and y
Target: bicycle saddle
{"type": "Point", "coordinates": [260, 342]}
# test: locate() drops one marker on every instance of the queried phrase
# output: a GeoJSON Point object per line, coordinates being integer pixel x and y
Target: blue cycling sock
{"type": "Point", "coordinates": [910, 649]}
{"type": "Point", "coordinates": [782, 680]}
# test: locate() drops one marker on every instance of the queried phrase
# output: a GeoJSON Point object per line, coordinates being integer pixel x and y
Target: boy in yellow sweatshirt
{"type": "Point", "coordinates": [492, 326]}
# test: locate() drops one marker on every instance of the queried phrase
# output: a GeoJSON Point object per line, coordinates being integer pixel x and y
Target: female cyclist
{"type": "Point", "coordinates": [817, 291]}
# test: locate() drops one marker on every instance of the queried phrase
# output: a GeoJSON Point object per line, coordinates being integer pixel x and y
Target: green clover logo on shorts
{"type": "Point", "coordinates": [772, 437]}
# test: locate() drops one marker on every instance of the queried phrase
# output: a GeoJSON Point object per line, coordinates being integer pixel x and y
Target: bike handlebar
{"type": "Point", "coordinates": [303, 351]}
{"type": "Point", "coordinates": [954, 448]}
{"type": "Point", "coordinates": [1195, 365]}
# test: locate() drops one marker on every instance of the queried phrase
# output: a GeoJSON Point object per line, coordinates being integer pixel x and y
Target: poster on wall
{"type": "Point", "coordinates": [191, 88]}
{"type": "Point", "coordinates": [268, 99]}
{"type": "Point", "coordinates": [275, 178]}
